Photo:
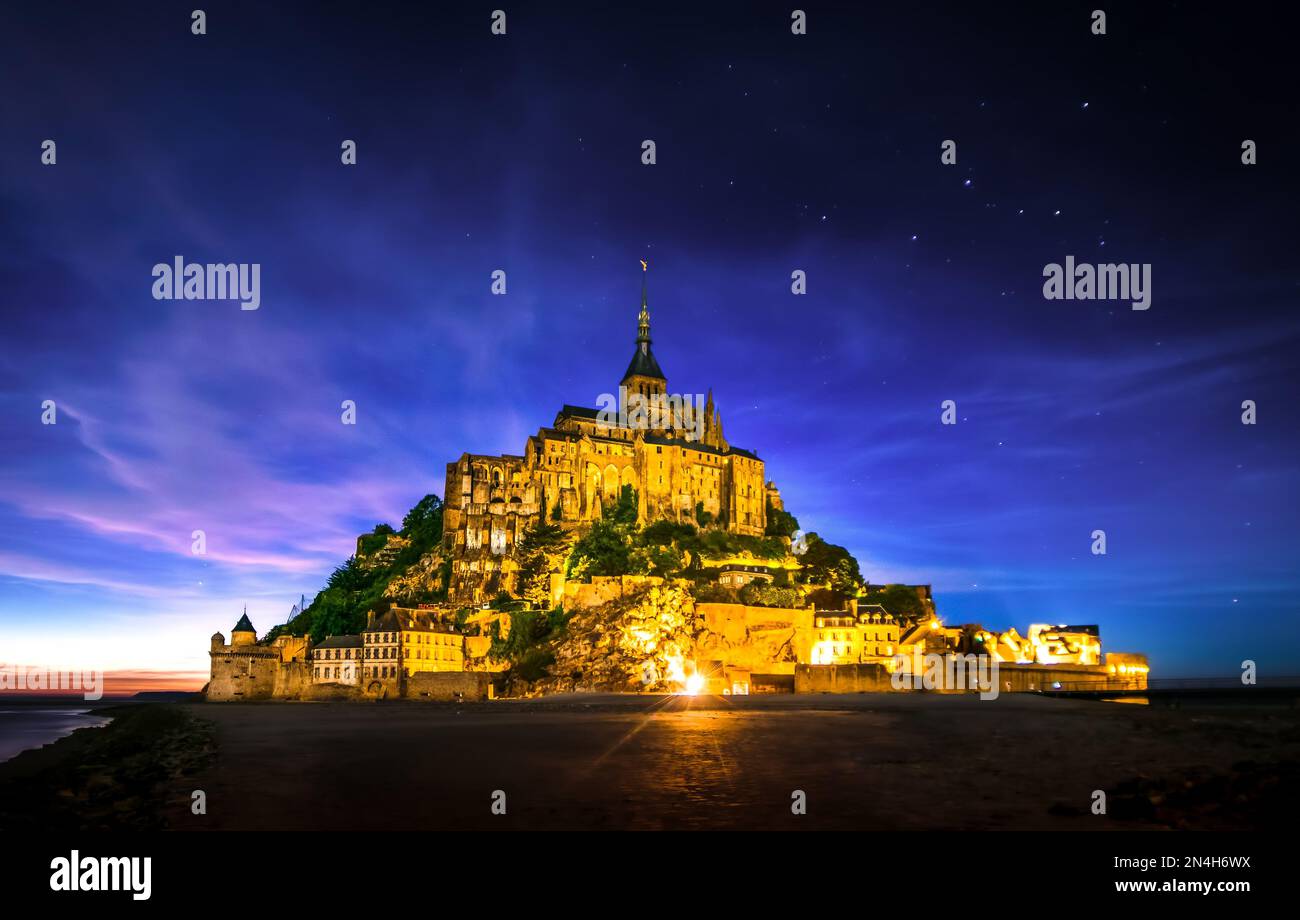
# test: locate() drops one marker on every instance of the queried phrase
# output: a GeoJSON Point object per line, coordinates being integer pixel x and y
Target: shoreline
{"type": "Point", "coordinates": [105, 777]}
{"type": "Point", "coordinates": [15, 732]}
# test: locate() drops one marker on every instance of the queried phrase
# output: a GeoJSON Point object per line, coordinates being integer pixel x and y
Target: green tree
{"type": "Point", "coordinates": [349, 578]}
{"type": "Point", "coordinates": [375, 540]}
{"type": "Point", "coordinates": [625, 508]}
{"type": "Point", "coordinates": [780, 523]}
{"type": "Point", "coordinates": [527, 648]}
{"type": "Point", "coordinates": [900, 600]}
{"type": "Point", "coordinates": [653, 559]}
{"type": "Point", "coordinates": [702, 517]}
{"type": "Point", "coordinates": [831, 566]}
{"type": "Point", "coordinates": [757, 594]}
{"type": "Point", "coordinates": [604, 550]}
{"type": "Point", "coordinates": [539, 543]}
{"type": "Point", "coordinates": [423, 523]}
{"type": "Point", "coordinates": [423, 515]}
{"type": "Point", "coordinates": [667, 533]}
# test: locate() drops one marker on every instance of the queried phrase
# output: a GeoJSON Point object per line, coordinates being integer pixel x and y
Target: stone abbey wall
{"type": "Point", "coordinates": [292, 678]}
{"type": "Point", "coordinates": [448, 685]}
{"type": "Point", "coordinates": [841, 678]}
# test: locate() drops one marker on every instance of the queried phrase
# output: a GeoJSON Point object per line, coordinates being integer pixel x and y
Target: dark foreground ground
{"type": "Point", "coordinates": [870, 762]}
{"type": "Point", "coordinates": [882, 762]}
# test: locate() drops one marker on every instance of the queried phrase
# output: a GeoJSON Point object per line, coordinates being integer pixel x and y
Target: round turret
{"type": "Point", "coordinates": [243, 633]}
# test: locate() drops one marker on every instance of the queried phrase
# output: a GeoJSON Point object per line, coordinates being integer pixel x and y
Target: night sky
{"type": "Point", "coordinates": [775, 153]}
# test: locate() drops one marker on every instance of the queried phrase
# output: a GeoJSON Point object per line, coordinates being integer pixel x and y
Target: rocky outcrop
{"type": "Point", "coordinates": [422, 579]}
{"type": "Point", "coordinates": [642, 641]}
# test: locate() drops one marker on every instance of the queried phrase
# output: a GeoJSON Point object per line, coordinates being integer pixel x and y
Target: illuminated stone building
{"type": "Point", "coordinates": [337, 660]}
{"type": "Point", "coordinates": [403, 642]}
{"type": "Point", "coordinates": [740, 571]}
{"type": "Point", "coordinates": [1045, 644]}
{"type": "Point", "coordinates": [679, 463]}
{"type": "Point", "coordinates": [864, 634]}
{"type": "Point", "coordinates": [1128, 666]}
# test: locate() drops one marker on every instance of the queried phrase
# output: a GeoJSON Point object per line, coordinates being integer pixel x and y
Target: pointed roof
{"type": "Point", "coordinates": [244, 624]}
{"type": "Point", "coordinates": [643, 362]}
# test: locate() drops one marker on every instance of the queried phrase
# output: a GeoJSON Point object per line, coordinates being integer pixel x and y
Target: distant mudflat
{"type": "Point", "coordinates": [870, 762]}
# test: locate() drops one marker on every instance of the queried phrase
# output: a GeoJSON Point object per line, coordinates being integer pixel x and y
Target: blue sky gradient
{"type": "Point", "coordinates": [523, 153]}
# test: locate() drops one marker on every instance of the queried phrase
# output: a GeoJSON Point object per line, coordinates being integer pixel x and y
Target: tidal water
{"type": "Point", "coordinates": [23, 727]}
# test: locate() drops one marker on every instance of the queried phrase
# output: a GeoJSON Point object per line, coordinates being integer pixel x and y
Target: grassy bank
{"type": "Point", "coordinates": [109, 778]}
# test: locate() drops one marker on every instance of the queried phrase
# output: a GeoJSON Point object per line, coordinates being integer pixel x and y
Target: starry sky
{"type": "Point", "coordinates": [774, 153]}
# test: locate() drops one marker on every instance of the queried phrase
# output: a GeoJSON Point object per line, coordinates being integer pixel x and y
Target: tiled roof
{"type": "Point", "coordinates": [341, 642]}
{"type": "Point", "coordinates": [580, 412]}
{"type": "Point", "coordinates": [702, 448]}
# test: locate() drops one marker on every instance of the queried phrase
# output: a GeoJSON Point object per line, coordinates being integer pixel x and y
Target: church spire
{"type": "Point", "coordinates": [643, 321]}
{"type": "Point", "coordinates": [643, 364]}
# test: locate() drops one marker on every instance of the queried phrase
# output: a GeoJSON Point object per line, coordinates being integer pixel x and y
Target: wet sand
{"type": "Point", "coordinates": [870, 762]}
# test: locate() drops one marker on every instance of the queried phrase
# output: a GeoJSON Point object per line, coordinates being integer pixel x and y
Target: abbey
{"type": "Point", "coordinates": [680, 467]}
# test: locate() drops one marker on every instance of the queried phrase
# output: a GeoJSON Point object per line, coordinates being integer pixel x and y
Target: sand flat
{"type": "Point", "coordinates": [871, 762]}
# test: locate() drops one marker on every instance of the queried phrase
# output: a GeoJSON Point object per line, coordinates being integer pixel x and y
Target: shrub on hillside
{"type": "Point", "coordinates": [757, 594]}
